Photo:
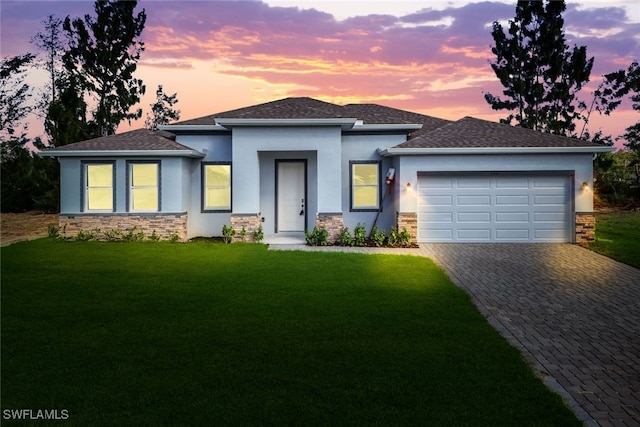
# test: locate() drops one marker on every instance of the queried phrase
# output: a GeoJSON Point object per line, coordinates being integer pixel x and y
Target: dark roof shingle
{"type": "Point", "coordinates": [470, 132]}
{"type": "Point", "coordinates": [139, 139]}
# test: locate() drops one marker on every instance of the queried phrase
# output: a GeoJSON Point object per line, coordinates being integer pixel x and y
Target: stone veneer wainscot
{"type": "Point", "coordinates": [585, 228]}
{"type": "Point", "coordinates": [332, 222]}
{"type": "Point", "coordinates": [408, 220]}
{"type": "Point", "coordinates": [250, 222]}
{"type": "Point", "coordinates": [164, 225]}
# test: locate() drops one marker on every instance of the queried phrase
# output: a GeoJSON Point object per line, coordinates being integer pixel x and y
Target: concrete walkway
{"type": "Point", "coordinates": [574, 314]}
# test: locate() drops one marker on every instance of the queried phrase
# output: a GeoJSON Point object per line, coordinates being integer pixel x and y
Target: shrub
{"type": "Point", "coordinates": [345, 238]}
{"type": "Point", "coordinates": [132, 236]}
{"type": "Point", "coordinates": [360, 235]}
{"type": "Point", "coordinates": [404, 237]}
{"type": "Point", "coordinates": [85, 236]}
{"type": "Point", "coordinates": [112, 235]}
{"type": "Point", "coordinates": [377, 236]}
{"type": "Point", "coordinates": [154, 237]}
{"type": "Point", "coordinates": [227, 233]}
{"type": "Point", "coordinates": [53, 231]}
{"type": "Point", "coordinates": [174, 238]}
{"type": "Point", "coordinates": [318, 237]}
{"type": "Point", "coordinates": [394, 238]}
{"type": "Point", "coordinates": [243, 233]}
{"type": "Point", "coordinates": [258, 234]}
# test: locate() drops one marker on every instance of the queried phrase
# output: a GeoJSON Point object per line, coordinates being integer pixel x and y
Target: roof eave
{"type": "Point", "coordinates": [344, 123]}
{"type": "Point", "coordinates": [122, 153]}
{"type": "Point", "coordinates": [394, 151]}
{"type": "Point", "coordinates": [382, 127]}
{"type": "Point", "coordinates": [174, 128]}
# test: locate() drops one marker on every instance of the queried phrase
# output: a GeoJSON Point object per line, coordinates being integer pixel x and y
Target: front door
{"type": "Point", "coordinates": [291, 197]}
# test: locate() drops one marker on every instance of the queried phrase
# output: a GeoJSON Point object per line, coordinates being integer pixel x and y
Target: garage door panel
{"type": "Point", "coordinates": [474, 217]}
{"type": "Point", "coordinates": [513, 183]}
{"type": "Point", "coordinates": [513, 200]}
{"type": "Point", "coordinates": [475, 234]}
{"type": "Point", "coordinates": [519, 217]}
{"type": "Point", "coordinates": [510, 235]}
{"type": "Point", "coordinates": [493, 208]}
{"type": "Point", "coordinates": [446, 217]}
{"type": "Point", "coordinates": [473, 200]}
{"type": "Point", "coordinates": [549, 200]}
{"type": "Point", "coordinates": [475, 183]}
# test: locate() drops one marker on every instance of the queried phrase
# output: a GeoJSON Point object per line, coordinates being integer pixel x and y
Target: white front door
{"type": "Point", "coordinates": [291, 198]}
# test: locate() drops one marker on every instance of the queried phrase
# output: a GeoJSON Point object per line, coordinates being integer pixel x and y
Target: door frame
{"type": "Point", "coordinates": [306, 201]}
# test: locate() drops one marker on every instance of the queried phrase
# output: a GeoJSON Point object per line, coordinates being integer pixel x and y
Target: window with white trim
{"type": "Point", "coordinates": [144, 193]}
{"type": "Point", "coordinates": [216, 186]}
{"type": "Point", "coordinates": [98, 185]}
{"type": "Point", "coordinates": [365, 185]}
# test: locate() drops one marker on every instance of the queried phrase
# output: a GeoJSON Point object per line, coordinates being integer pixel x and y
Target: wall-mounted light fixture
{"type": "Point", "coordinates": [585, 186]}
{"type": "Point", "coordinates": [408, 187]}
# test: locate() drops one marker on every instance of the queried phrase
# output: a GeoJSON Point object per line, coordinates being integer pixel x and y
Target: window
{"type": "Point", "coordinates": [99, 186]}
{"type": "Point", "coordinates": [143, 187]}
{"type": "Point", "coordinates": [365, 186]}
{"type": "Point", "coordinates": [216, 187]}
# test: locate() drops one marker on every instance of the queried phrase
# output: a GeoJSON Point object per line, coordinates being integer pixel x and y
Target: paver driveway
{"type": "Point", "coordinates": [574, 314]}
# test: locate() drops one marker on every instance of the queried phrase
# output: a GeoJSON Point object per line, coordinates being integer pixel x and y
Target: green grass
{"type": "Point", "coordinates": [212, 334]}
{"type": "Point", "coordinates": [618, 236]}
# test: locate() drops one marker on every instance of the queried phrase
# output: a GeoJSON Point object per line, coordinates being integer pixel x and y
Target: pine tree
{"type": "Point", "coordinates": [102, 56]}
{"type": "Point", "coordinates": [540, 74]}
{"type": "Point", "coordinates": [162, 111]}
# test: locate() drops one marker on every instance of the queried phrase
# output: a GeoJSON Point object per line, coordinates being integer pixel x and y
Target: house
{"type": "Point", "coordinates": [295, 163]}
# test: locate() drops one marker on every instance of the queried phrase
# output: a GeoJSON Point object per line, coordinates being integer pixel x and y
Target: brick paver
{"type": "Point", "coordinates": [574, 314]}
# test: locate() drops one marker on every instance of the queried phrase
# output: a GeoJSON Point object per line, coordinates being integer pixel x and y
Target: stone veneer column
{"type": "Point", "coordinates": [585, 228]}
{"type": "Point", "coordinates": [250, 222]}
{"type": "Point", "coordinates": [332, 222]}
{"type": "Point", "coordinates": [408, 220]}
{"type": "Point", "coordinates": [164, 225]}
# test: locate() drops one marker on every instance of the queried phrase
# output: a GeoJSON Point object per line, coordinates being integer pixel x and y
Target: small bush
{"type": "Point", "coordinates": [345, 238]}
{"type": "Point", "coordinates": [377, 236]}
{"type": "Point", "coordinates": [53, 231]}
{"type": "Point", "coordinates": [132, 236]}
{"type": "Point", "coordinates": [318, 237]}
{"type": "Point", "coordinates": [394, 238]}
{"type": "Point", "coordinates": [360, 235]}
{"type": "Point", "coordinates": [404, 237]}
{"type": "Point", "coordinates": [85, 236]}
{"type": "Point", "coordinates": [227, 233]}
{"type": "Point", "coordinates": [258, 234]}
{"type": "Point", "coordinates": [174, 238]}
{"type": "Point", "coordinates": [243, 234]}
{"type": "Point", "coordinates": [154, 237]}
{"type": "Point", "coordinates": [112, 235]}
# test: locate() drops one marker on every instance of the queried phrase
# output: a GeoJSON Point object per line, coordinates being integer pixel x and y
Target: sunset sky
{"type": "Point", "coordinates": [430, 57]}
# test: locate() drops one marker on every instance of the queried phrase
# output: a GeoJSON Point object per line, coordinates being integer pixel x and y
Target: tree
{"type": "Point", "coordinates": [50, 42]}
{"type": "Point", "coordinates": [539, 72]}
{"type": "Point", "coordinates": [25, 182]}
{"type": "Point", "coordinates": [102, 56]}
{"type": "Point", "coordinates": [612, 91]}
{"type": "Point", "coordinates": [66, 120]}
{"type": "Point", "coordinates": [14, 92]}
{"type": "Point", "coordinates": [162, 112]}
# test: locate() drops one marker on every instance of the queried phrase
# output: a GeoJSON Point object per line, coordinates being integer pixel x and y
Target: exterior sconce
{"type": "Point", "coordinates": [585, 186]}
{"type": "Point", "coordinates": [408, 187]}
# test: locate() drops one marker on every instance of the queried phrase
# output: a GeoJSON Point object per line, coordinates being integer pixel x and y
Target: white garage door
{"type": "Point", "coordinates": [493, 208]}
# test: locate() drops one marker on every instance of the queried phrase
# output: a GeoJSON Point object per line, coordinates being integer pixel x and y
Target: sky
{"type": "Point", "coordinates": [430, 57]}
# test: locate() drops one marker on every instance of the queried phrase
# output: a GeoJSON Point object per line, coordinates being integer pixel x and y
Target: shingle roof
{"type": "Point", "coordinates": [309, 108]}
{"type": "Point", "coordinates": [470, 132]}
{"type": "Point", "coordinates": [139, 139]}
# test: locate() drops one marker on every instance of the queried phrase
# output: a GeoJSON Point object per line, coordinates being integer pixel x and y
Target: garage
{"type": "Point", "coordinates": [498, 207]}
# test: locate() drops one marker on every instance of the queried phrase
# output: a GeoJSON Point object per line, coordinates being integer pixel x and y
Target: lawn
{"type": "Point", "coordinates": [618, 236]}
{"type": "Point", "coordinates": [212, 334]}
